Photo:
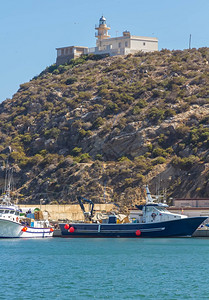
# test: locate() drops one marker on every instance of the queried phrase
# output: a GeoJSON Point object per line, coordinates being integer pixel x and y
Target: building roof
{"type": "Point", "coordinates": [72, 47]}
{"type": "Point", "coordinates": [191, 199]}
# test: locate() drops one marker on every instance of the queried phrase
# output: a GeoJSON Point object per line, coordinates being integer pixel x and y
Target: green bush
{"type": "Point", "coordinates": [52, 133]}
{"type": "Point", "coordinates": [185, 163]}
{"type": "Point", "coordinates": [76, 151]}
{"type": "Point", "coordinates": [158, 160]}
{"type": "Point", "coordinates": [98, 123]}
{"type": "Point", "coordinates": [155, 115]}
{"type": "Point", "coordinates": [159, 152]}
{"type": "Point", "coordinates": [70, 80]}
{"type": "Point", "coordinates": [124, 158]}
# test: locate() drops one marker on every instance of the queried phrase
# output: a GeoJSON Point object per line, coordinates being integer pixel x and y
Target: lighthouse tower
{"type": "Point", "coordinates": [102, 31]}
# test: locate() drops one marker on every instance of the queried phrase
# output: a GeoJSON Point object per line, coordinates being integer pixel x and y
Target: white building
{"type": "Point", "coordinates": [123, 45]}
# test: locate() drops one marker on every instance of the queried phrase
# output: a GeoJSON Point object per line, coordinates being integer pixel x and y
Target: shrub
{"type": "Point", "coordinates": [159, 152]}
{"type": "Point", "coordinates": [128, 181]}
{"type": "Point", "coordinates": [112, 107]}
{"type": "Point", "coordinates": [184, 163]}
{"type": "Point", "coordinates": [76, 151]}
{"type": "Point", "coordinates": [124, 158]}
{"type": "Point", "coordinates": [85, 133]}
{"type": "Point", "coordinates": [98, 123]}
{"type": "Point", "coordinates": [155, 115]}
{"type": "Point", "coordinates": [85, 157]}
{"type": "Point", "coordinates": [136, 110]}
{"type": "Point", "coordinates": [158, 160]}
{"type": "Point", "coordinates": [70, 80]}
{"type": "Point", "coordinates": [141, 103]}
{"type": "Point", "coordinates": [52, 133]}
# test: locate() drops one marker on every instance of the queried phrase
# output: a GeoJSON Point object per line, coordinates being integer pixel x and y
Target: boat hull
{"type": "Point", "coordinates": [11, 229]}
{"type": "Point", "coordinates": [174, 228]}
{"type": "Point", "coordinates": [33, 232]}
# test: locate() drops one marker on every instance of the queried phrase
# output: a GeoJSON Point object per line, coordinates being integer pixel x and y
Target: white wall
{"type": "Point", "coordinates": [144, 44]}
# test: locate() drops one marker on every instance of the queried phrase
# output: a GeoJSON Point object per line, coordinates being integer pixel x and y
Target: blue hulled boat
{"type": "Point", "coordinates": [154, 220]}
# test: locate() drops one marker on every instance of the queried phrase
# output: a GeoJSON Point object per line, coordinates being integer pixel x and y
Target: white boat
{"type": "Point", "coordinates": [14, 224]}
{"type": "Point", "coordinates": [33, 227]}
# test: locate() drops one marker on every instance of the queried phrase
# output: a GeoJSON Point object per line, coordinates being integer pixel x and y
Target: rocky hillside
{"type": "Point", "coordinates": [102, 127]}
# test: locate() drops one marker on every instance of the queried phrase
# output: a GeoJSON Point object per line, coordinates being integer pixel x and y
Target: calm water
{"type": "Point", "coordinates": [104, 269]}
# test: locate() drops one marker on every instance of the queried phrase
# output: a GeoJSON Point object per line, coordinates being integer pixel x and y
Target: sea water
{"type": "Point", "coordinates": [63, 268]}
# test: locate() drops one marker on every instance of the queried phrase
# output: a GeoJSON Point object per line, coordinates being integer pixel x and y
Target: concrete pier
{"type": "Point", "coordinates": [201, 233]}
{"type": "Point", "coordinates": [57, 233]}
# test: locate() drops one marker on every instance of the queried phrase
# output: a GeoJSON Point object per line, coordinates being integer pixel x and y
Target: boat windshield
{"type": "Point", "coordinates": [160, 208]}
{"type": "Point", "coordinates": [12, 211]}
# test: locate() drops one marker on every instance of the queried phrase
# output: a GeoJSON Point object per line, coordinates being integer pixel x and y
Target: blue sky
{"type": "Point", "coordinates": [30, 30]}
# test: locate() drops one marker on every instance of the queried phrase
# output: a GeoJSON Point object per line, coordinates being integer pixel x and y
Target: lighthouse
{"type": "Point", "coordinates": [106, 45]}
{"type": "Point", "coordinates": [102, 31]}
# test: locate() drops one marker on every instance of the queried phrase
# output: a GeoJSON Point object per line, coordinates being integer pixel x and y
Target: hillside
{"type": "Point", "coordinates": [110, 125]}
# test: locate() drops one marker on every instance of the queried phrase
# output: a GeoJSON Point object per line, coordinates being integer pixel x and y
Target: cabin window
{"type": "Point", "coordinates": [162, 208]}
{"type": "Point", "coordinates": [148, 209]}
{"type": "Point", "coordinates": [1, 211]}
{"type": "Point", "coordinates": [12, 211]}
{"type": "Point", "coordinates": [6, 211]}
{"type": "Point", "coordinates": [17, 213]}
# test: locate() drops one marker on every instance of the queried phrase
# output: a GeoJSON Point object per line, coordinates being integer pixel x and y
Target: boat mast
{"type": "Point", "coordinates": [7, 186]}
{"type": "Point", "coordinates": [149, 197]}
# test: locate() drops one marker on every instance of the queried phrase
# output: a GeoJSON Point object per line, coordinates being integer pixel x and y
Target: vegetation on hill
{"type": "Point", "coordinates": [103, 127]}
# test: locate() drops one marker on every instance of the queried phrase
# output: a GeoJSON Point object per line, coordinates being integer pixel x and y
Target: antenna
{"type": "Point", "coordinates": [190, 40]}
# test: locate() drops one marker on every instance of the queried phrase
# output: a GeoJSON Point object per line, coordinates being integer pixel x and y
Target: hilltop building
{"type": "Point", "coordinates": [122, 45]}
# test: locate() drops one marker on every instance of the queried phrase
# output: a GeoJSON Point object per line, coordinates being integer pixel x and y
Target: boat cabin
{"type": "Point", "coordinates": [9, 213]}
{"type": "Point", "coordinates": [152, 213]}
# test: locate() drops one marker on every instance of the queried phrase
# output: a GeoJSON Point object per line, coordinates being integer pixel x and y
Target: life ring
{"type": "Point", "coordinates": [153, 215]}
{"type": "Point", "coordinates": [17, 219]}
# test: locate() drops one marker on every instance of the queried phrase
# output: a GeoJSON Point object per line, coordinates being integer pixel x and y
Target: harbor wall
{"type": "Point", "coordinates": [191, 211]}
{"type": "Point", "coordinates": [67, 212]}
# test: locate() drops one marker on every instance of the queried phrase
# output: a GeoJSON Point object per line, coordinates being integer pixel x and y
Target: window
{"type": "Point", "coordinates": [62, 51]}
{"type": "Point", "coordinates": [119, 45]}
{"type": "Point", "coordinates": [144, 44]}
{"type": "Point", "coordinates": [126, 44]}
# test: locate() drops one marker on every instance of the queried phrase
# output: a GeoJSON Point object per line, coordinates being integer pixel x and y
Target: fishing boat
{"type": "Point", "coordinates": [154, 220]}
{"type": "Point", "coordinates": [15, 224]}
